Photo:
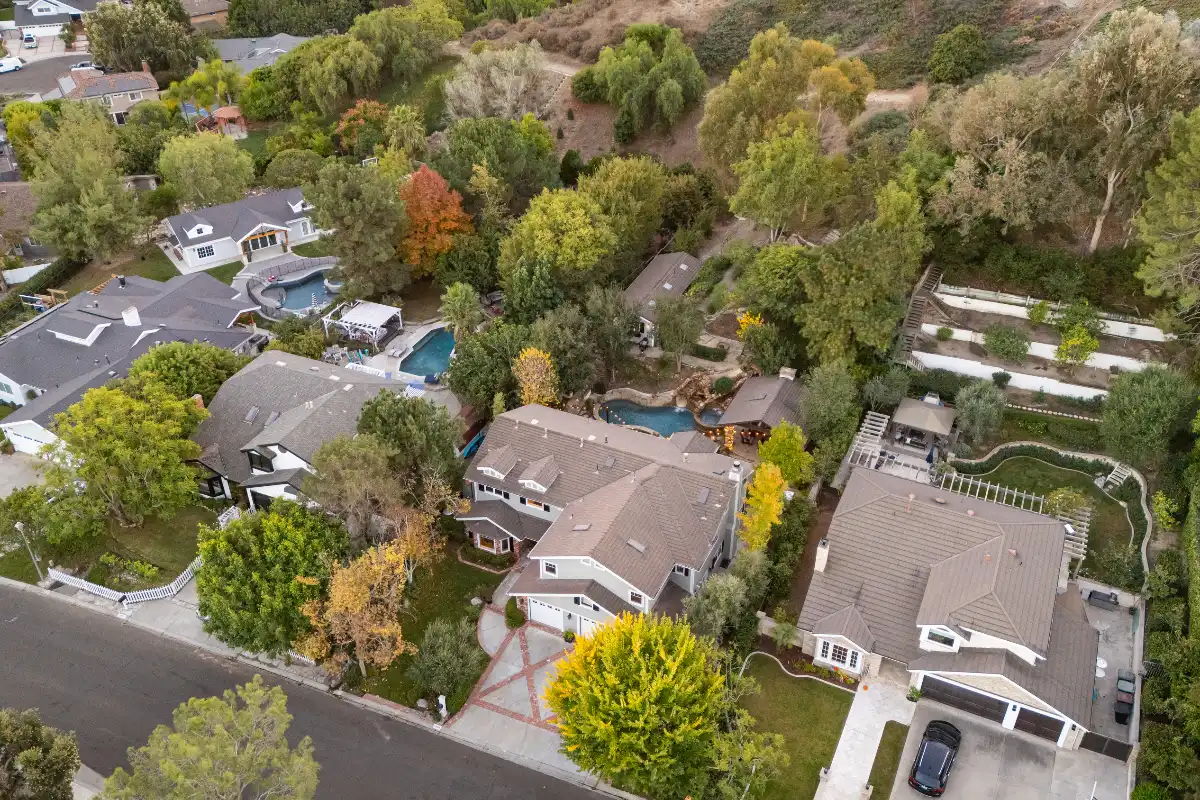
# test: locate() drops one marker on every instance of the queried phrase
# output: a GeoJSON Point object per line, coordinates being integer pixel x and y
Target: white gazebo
{"type": "Point", "coordinates": [362, 320]}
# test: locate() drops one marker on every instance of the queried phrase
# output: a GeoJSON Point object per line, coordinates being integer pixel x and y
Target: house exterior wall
{"type": "Point", "coordinates": [13, 390]}
{"type": "Point", "coordinates": [282, 490]}
{"type": "Point", "coordinates": [997, 685]}
{"type": "Point", "coordinates": [576, 569]}
{"type": "Point", "coordinates": [224, 251]}
{"type": "Point", "coordinates": [567, 603]}
{"type": "Point", "coordinates": [42, 31]}
{"type": "Point", "coordinates": [28, 436]}
{"type": "Point", "coordinates": [514, 502]}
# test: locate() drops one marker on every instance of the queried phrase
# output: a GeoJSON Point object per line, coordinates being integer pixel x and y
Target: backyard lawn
{"type": "Point", "coordinates": [808, 713]}
{"type": "Point", "coordinates": [887, 759]}
{"type": "Point", "coordinates": [225, 272]}
{"type": "Point", "coordinates": [446, 591]}
{"type": "Point", "coordinates": [314, 249]}
{"type": "Point", "coordinates": [147, 261]}
{"type": "Point", "coordinates": [1109, 527]}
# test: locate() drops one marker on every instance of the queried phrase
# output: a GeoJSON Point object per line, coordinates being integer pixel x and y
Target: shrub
{"type": "Point", "coordinates": [1039, 312]}
{"type": "Point", "coordinates": [788, 540]}
{"type": "Point", "coordinates": [709, 353]}
{"type": "Point", "coordinates": [1150, 791]}
{"type": "Point", "coordinates": [448, 659]}
{"type": "Point", "coordinates": [587, 87]}
{"type": "Point", "coordinates": [958, 54]}
{"type": "Point", "coordinates": [1001, 379]}
{"type": "Point", "coordinates": [1006, 342]}
{"type": "Point", "coordinates": [1168, 614]}
{"type": "Point", "coordinates": [943, 383]}
{"type": "Point", "coordinates": [570, 113]}
{"type": "Point", "coordinates": [513, 616]}
{"type": "Point", "coordinates": [1167, 575]}
{"type": "Point", "coordinates": [710, 274]}
{"type": "Point", "coordinates": [722, 386]}
{"type": "Point", "coordinates": [944, 334]}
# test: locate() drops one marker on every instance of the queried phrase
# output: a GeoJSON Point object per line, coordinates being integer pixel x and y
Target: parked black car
{"type": "Point", "coordinates": [935, 758]}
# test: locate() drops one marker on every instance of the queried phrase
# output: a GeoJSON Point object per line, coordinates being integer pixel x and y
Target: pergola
{"type": "Point", "coordinates": [361, 320]}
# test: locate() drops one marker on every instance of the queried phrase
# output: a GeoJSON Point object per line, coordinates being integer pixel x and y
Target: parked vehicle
{"type": "Point", "coordinates": [30, 41]}
{"type": "Point", "coordinates": [11, 64]}
{"type": "Point", "coordinates": [935, 758]}
{"type": "Point", "coordinates": [83, 65]}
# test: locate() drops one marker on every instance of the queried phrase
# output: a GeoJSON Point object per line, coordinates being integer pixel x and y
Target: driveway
{"type": "Point", "coordinates": [997, 764]}
{"type": "Point", "coordinates": [18, 471]}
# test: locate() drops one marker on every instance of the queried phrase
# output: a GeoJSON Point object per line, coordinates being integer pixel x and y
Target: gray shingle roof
{"type": "Point", "coordinates": [290, 477]}
{"type": "Point", "coordinates": [186, 308]}
{"type": "Point", "coordinates": [768, 399]}
{"type": "Point", "coordinates": [667, 275]}
{"type": "Point", "coordinates": [848, 623]}
{"type": "Point", "coordinates": [200, 8]}
{"type": "Point", "coordinates": [1064, 680]}
{"type": "Point", "coordinates": [884, 548]}
{"type": "Point", "coordinates": [505, 518]}
{"type": "Point", "coordinates": [502, 460]}
{"type": "Point", "coordinates": [300, 404]}
{"type": "Point", "coordinates": [542, 472]}
{"type": "Point", "coordinates": [529, 582]}
{"type": "Point", "coordinates": [235, 220]}
{"type": "Point", "coordinates": [693, 442]}
{"type": "Point", "coordinates": [249, 54]}
{"type": "Point", "coordinates": [621, 483]}
{"type": "Point", "coordinates": [22, 16]}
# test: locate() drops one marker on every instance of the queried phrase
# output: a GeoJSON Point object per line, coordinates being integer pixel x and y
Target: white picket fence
{"type": "Point", "coordinates": [87, 586]}
{"type": "Point", "coordinates": [163, 592]}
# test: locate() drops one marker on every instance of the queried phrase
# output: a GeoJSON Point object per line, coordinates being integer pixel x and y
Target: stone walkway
{"type": "Point", "coordinates": [880, 698]}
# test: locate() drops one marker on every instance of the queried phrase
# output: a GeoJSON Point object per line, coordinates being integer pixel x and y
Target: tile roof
{"type": "Point", "coordinates": [290, 477]}
{"type": "Point", "coordinates": [693, 442]}
{"type": "Point", "coordinates": [622, 484]}
{"type": "Point", "coordinates": [768, 399]}
{"type": "Point", "coordinates": [529, 582]}
{"type": "Point", "coordinates": [294, 402]}
{"type": "Point", "coordinates": [201, 8]}
{"type": "Point", "coordinates": [235, 220]}
{"type": "Point", "coordinates": [1064, 680]}
{"type": "Point", "coordinates": [81, 84]}
{"type": "Point", "coordinates": [542, 472]}
{"type": "Point", "coordinates": [850, 624]}
{"type": "Point", "coordinates": [885, 550]}
{"type": "Point", "coordinates": [505, 518]}
{"type": "Point", "coordinates": [667, 275]}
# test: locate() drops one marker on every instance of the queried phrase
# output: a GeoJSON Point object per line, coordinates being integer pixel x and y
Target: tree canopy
{"type": "Point", "coordinates": [482, 364]}
{"type": "Point", "coordinates": [435, 215]}
{"type": "Point", "coordinates": [785, 449]}
{"type": "Point", "coordinates": [423, 438]}
{"type": "Point", "coordinates": [207, 169]}
{"type": "Point", "coordinates": [566, 231]}
{"type": "Point", "coordinates": [1143, 411]}
{"type": "Point", "coordinates": [122, 36]}
{"type": "Point", "coordinates": [188, 368]}
{"type": "Point", "coordinates": [520, 153]}
{"type": "Point", "coordinates": [36, 761]}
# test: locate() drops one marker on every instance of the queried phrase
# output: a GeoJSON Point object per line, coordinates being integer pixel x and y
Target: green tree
{"type": "Point", "coordinates": [1006, 342]}
{"type": "Point", "coordinates": [980, 407]}
{"type": "Point", "coordinates": [148, 127]}
{"type": "Point", "coordinates": [214, 82]}
{"type": "Point", "coordinates": [207, 169]}
{"type": "Point", "coordinates": [353, 480]}
{"type": "Point", "coordinates": [36, 761]}
{"type": "Point", "coordinates": [471, 260]}
{"type": "Point", "coordinates": [784, 178]}
{"type": "Point", "coordinates": [460, 308]}
{"type": "Point", "coordinates": [323, 73]}
{"type": "Point", "coordinates": [514, 152]}
{"type": "Point", "coordinates": [407, 39]}
{"type": "Point", "coordinates": [305, 340]}
{"type": "Point", "coordinates": [58, 523]}
{"type": "Point", "coordinates": [679, 324]}
{"type": "Point", "coordinates": [630, 193]}
{"type": "Point", "coordinates": [405, 130]}
{"type": "Point", "coordinates": [831, 411]}
{"type": "Point", "coordinates": [292, 167]}
{"type": "Point", "coordinates": [83, 207]}
{"type": "Point", "coordinates": [368, 220]}
{"type": "Point", "coordinates": [565, 333]}
{"type": "Point", "coordinates": [958, 54]}
{"type": "Point", "coordinates": [230, 746]}
{"type": "Point", "coordinates": [250, 597]}
{"type": "Point", "coordinates": [129, 452]}
{"type": "Point", "coordinates": [765, 348]}
{"type": "Point", "coordinates": [772, 281]}
{"type": "Point", "coordinates": [482, 364]}
{"type": "Point", "coordinates": [650, 79]}
{"type": "Point", "coordinates": [785, 449]}
{"type": "Point", "coordinates": [717, 606]}
{"type": "Point", "coordinates": [361, 128]}
{"type": "Point", "coordinates": [640, 673]}
{"type": "Point", "coordinates": [121, 37]}
{"type": "Point", "coordinates": [1166, 222]}
{"type": "Point", "coordinates": [187, 368]}
{"type": "Point", "coordinates": [1077, 346]}
{"type": "Point", "coordinates": [567, 232]}
{"type": "Point", "coordinates": [886, 390]}
{"type": "Point", "coordinates": [448, 660]}
{"type": "Point", "coordinates": [257, 18]}
{"type": "Point", "coordinates": [1143, 412]}
{"type": "Point", "coordinates": [1167, 757]}
{"type": "Point", "coordinates": [611, 322]}
{"type": "Point", "coordinates": [422, 435]}
{"type": "Point", "coordinates": [529, 292]}
{"type": "Point", "coordinates": [857, 286]}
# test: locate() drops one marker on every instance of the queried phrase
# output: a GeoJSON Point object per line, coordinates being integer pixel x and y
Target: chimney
{"type": "Point", "coordinates": [145, 67]}
{"type": "Point", "coordinates": [735, 472]}
{"type": "Point", "coordinates": [822, 555]}
{"type": "Point", "coordinates": [788, 373]}
{"type": "Point", "coordinates": [121, 281]}
{"type": "Point", "coordinates": [131, 317]}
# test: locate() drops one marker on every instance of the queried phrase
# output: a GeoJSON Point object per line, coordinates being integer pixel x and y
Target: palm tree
{"type": "Point", "coordinates": [460, 307]}
{"type": "Point", "coordinates": [214, 82]}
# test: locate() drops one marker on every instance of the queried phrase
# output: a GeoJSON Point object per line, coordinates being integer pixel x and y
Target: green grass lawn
{"type": "Point", "coordinates": [225, 272]}
{"type": "Point", "coordinates": [887, 759]}
{"type": "Point", "coordinates": [169, 545]}
{"type": "Point", "coordinates": [314, 249]}
{"type": "Point", "coordinates": [1110, 527]}
{"type": "Point", "coordinates": [16, 565]}
{"type": "Point", "coordinates": [446, 591]}
{"type": "Point", "coordinates": [1027, 426]}
{"type": "Point", "coordinates": [6, 410]}
{"type": "Point", "coordinates": [808, 713]}
{"type": "Point", "coordinates": [147, 261]}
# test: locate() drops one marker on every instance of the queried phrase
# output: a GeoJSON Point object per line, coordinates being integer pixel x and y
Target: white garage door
{"type": "Point", "coordinates": [587, 627]}
{"type": "Point", "coordinates": [547, 615]}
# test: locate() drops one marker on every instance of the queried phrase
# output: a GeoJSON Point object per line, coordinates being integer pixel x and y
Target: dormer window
{"type": "Point", "coordinates": [199, 230]}
{"type": "Point", "coordinates": [534, 485]}
{"type": "Point", "coordinates": [492, 473]}
{"type": "Point", "coordinates": [940, 638]}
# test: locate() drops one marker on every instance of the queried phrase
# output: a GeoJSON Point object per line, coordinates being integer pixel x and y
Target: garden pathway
{"type": "Point", "coordinates": [879, 698]}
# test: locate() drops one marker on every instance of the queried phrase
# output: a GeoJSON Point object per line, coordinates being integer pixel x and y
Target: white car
{"type": "Point", "coordinates": [11, 64]}
{"type": "Point", "coordinates": [30, 41]}
{"type": "Point", "coordinates": [83, 65]}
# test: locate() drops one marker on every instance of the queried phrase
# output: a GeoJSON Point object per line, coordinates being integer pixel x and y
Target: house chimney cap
{"type": "Point", "coordinates": [145, 66]}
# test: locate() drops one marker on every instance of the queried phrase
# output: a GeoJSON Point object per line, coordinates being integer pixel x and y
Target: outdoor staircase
{"type": "Point", "coordinates": [1117, 476]}
{"type": "Point", "coordinates": [910, 329]}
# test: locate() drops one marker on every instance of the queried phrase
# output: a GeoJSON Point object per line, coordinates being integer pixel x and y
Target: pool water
{"type": "Point", "coordinates": [710, 417]}
{"type": "Point", "coordinates": [298, 296]}
{"type": "Point", "coordinates": [664, 419]}
{"type": "Point", "coordinates": [431, 356]}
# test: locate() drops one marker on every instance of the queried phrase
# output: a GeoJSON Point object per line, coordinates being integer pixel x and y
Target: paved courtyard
{"type": "Point", "coordinates": [997, 764]}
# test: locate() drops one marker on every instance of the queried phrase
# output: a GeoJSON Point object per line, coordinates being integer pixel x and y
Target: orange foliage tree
{"type": "Point", "coordinates": [362, 127]}
{"type": "Point", "coordinates": [435, 214]}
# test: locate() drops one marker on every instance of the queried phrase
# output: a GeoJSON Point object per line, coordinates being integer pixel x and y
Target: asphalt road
{"type": "Point", "coordinates": [40, 75]}
{"type": "Point", "coordinates": [112, 684]}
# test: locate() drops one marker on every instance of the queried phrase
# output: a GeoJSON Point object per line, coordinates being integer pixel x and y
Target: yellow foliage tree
{"type": "Point", "coordinates": [361, 613]}
{"type": "Point", "coordinates": [747, 319]}
{"type": "Point", "coordinates": [535, 374]}
{"type": "Point", "coordinates": [414, 534]}
{"type": "Point", "coordinates": [764, 506]}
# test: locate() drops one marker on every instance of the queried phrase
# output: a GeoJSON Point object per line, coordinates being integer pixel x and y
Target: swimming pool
{"type": "Point", "coordinates": [299, 295]}
{"type": "Point", "coordinates": [431, 356]}
{"type": "Point", "coordinates": [664, 419]}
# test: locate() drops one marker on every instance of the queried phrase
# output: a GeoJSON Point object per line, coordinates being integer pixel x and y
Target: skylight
{"type": "Point", "coordinates": [582, 526]}
{"type": "Point", "coordinates": [252, 414]}
{"type": "Point", "coordinates": [636, 545]}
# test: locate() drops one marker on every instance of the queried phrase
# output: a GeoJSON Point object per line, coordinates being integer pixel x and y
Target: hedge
{"type": "Point", "coordinates": [1192, 554]}
{"type": "Point", "coordinates": [1091, 466]}
{"type": "Point", "coordinates": [709, 353]}
{"type": "Point", "coordinates": [943, 383]}
{"type": "Point", "coordinates": [11, 308]}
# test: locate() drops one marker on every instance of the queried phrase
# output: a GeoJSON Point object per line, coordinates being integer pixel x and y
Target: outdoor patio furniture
{"type": "Point", "coordinates": [1106, 600]}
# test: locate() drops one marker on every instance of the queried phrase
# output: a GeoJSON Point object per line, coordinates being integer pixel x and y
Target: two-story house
{"type": "Point", "coordinates": [267, 421]}
{"type": "Point", "coordinates": [617, 520]}
{"type": "Point", "coordinates": [252, 229]}
{"type": "Point", "coordinates": [45, 18]}
{"type": "Point", "coordinates": [971, 596]}
{"type": "Point", "coordinates": [117, 92]}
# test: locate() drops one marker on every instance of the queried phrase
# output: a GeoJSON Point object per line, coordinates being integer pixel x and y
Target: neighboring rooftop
{"type": "Point", "coordinates": [906, 553]}
{"type": "Point", "coordinates": [924, 416]}
{"type": "Point", "coordinates": [84, 84]}
{"type": "Point", "coordinates": [667, 275]}
{"type": "Point", "coordinates": [237, 219]}
{"type": "Point", "coordinates": [767, 400]}
{"type": "Point", "coordinates": [263, 51]}
{"type": "Point", "coordinates": [205, 8]}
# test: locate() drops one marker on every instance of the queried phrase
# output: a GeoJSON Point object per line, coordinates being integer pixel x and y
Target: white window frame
{"type": "Point", "coordinates": [134, 96]}
{"type": "Point", "coordinates": [550, 568]}
{"type": "Point", "coordinates": [682, 570]}
{"type": "Point", "coordinates": [637, 598]}
{"type": "Point", "coordinates": [932, 632]}
{"type": "Point", "coordinates": [212, 251]}
{"type": "Point", "coordinates": [851, 657]}
{"type": "Point", "coordinates": [534, 486]}
{"type": "Point", "coordinates": [493, 472]}
{"type": "Point", "coordinates": [305, 227]}
{"type": "Point", "coordinates": [4, 387]}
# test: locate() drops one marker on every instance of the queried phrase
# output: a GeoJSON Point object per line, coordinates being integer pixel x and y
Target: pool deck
{"type": "Point", "coordinates": [400, 347]}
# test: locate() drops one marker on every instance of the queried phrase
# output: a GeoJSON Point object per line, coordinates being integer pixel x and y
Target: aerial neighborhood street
{"type": "Point", "coordinates": [544, 399]}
